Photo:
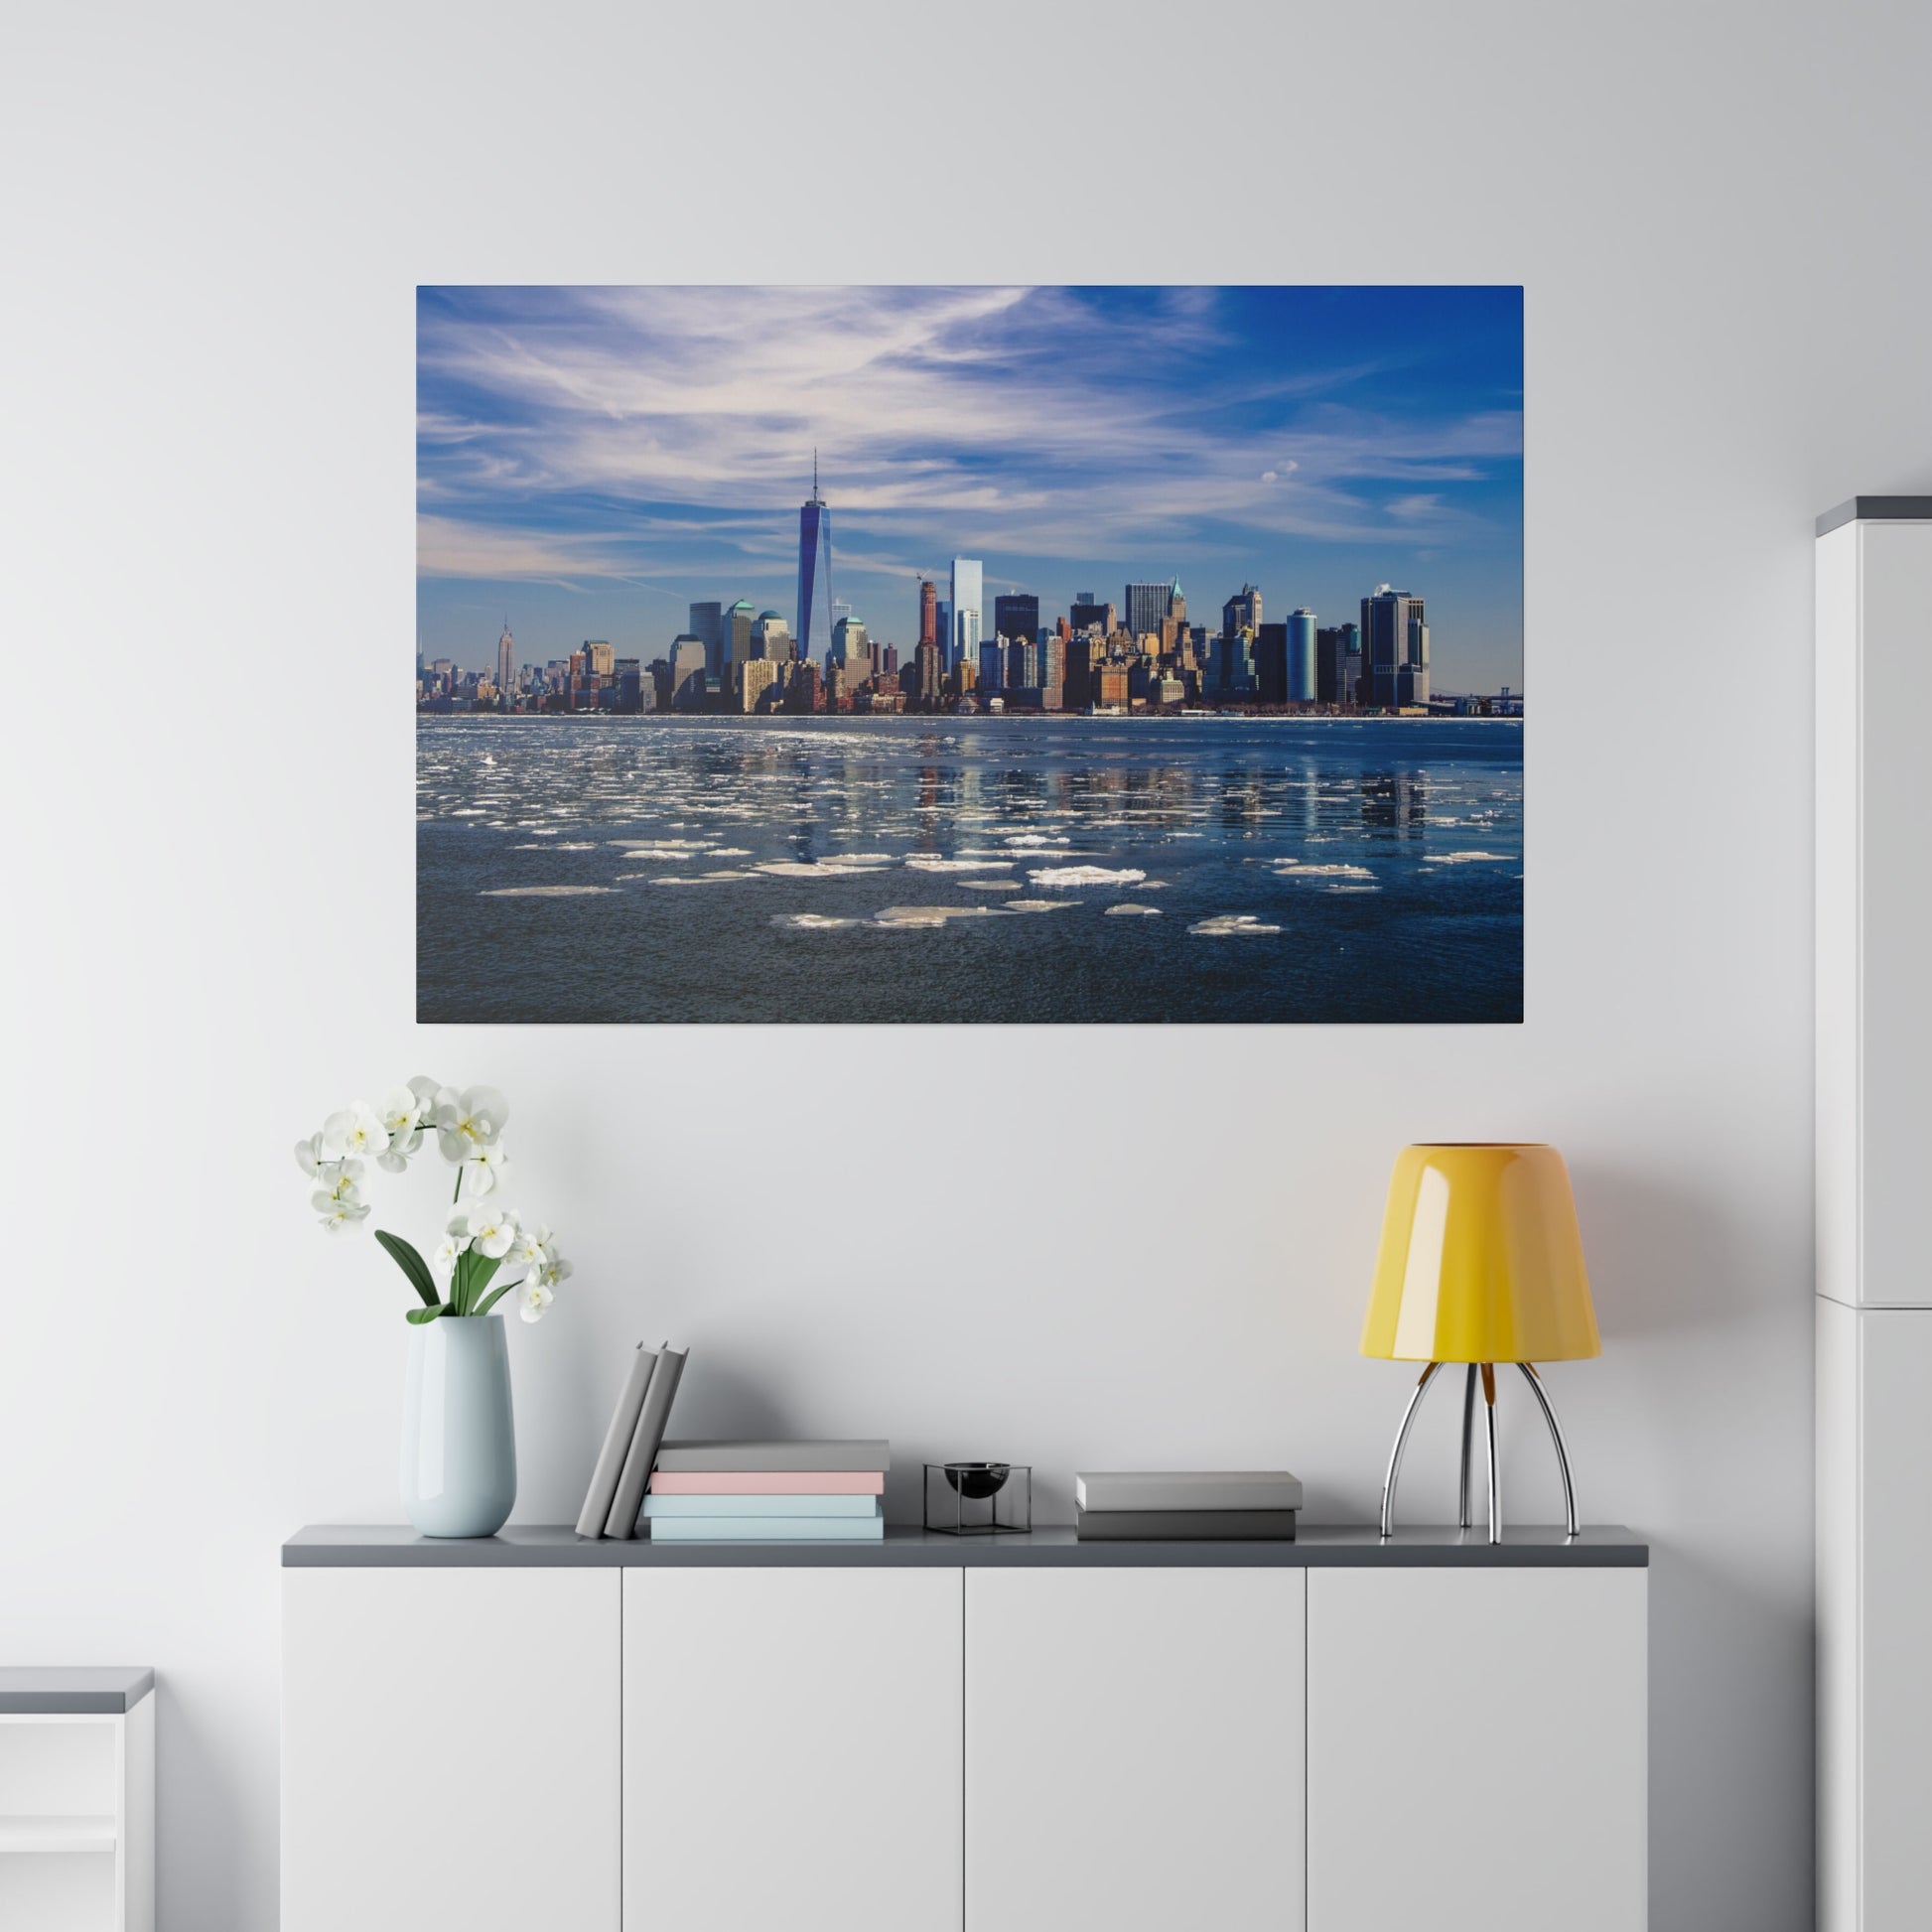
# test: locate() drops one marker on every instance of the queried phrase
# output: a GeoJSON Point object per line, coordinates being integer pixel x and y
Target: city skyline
{"type": "Point", "coordinates": [593, 462]}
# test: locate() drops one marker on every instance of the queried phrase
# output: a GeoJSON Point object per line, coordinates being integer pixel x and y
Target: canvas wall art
{"type": "Point", "coordinates": [1037, 655]}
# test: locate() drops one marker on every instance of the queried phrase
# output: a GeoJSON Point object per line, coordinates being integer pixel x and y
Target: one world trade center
{"type": "Point", "coordinates": [814, 537]}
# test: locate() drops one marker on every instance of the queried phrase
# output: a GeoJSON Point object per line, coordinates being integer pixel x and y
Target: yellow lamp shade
{"type": "Point", "coordinates": [1481, 1260]}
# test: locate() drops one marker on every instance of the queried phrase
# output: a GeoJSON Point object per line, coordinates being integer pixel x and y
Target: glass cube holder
{"type": "Point", "coordinates": [979, 1498]}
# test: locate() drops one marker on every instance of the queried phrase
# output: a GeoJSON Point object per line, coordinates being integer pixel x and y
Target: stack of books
{"type": "Point", "coordinates": [617, 1492]}
{"type": "Point", "coordinates": [773, 1492]}
{"type": "Point", "coordinates": [1211, 1505]}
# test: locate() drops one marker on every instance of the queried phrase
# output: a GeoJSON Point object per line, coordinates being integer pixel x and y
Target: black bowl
{"type": "Point", "coordinates": [978, 1481]}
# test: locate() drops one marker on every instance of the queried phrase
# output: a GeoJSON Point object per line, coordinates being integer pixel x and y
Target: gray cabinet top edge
{"type": "Point", "coordinates": [77, 1689]}
{"type": "Point", "coordinates": [1877, 510]}
{"type": "Point", "coordinates": [384, 1546]}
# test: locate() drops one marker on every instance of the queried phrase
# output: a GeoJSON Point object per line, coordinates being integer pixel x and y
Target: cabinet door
{"type": "Point", "coordinates": [791, 1751]}
{"type": "Point", "coordinates": [1134, 1749]}
{"type": "Point", "coordinates": [1894, 1768]}
{"type": "Point", "coordinates": [450, 1749]}
{"type": "Point", "coordinates": [1476, 1749]}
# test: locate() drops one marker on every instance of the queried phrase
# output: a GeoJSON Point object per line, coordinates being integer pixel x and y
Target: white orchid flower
{"type": "Point", "coordinates": [401, 1114]}
{"type": "Point", "coordinates": [340, 1180]}
{"type": "Point", "coordinates": [491, 1232]}
{"type": "Point", "coordinates": [531, 1301]}
{"type": "Point", "coordinates": [340, 1213]}
{"type": "Point", "coordinates": [443, 1262]}
{"type": "Point", "coordinates": [551, 1271]}
{"type": "Point", "coordinates": [357, 1129]}
{"type": "Point", "coordinates": [309, 1156]}
{"type": "Point", "coordinates": [426, 1090]}
{"type": "Point", "coordinates": [468, 1121]}
{"type": "Point", "coordinates": [532, 1247]}
{"type": "Point", "coordinates": [488, 1171]}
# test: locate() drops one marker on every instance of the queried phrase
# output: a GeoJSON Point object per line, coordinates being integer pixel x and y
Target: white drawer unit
{"type": "Point", "coordinates": [76, 1800]}
{"type": "Point", "coordinates": [946, 1734]}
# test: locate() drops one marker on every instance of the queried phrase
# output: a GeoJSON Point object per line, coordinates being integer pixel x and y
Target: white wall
{"type": "Point", "coordinates": [212, 227]}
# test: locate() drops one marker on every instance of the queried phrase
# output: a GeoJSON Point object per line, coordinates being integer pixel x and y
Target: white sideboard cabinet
{"type": "Point", "coordinates": [946, 1734]}
{"type": "Point", "coordinates": [1873, 1155]}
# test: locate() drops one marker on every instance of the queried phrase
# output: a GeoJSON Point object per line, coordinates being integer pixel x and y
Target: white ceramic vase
{"type": "Point", "coordinates": [459, 1438]}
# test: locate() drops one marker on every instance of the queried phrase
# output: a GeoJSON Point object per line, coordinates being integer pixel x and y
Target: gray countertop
{"type": "Point", "coordinates": [68, 1689]}
{"type": "Point", "coordinates": [543, 1546]}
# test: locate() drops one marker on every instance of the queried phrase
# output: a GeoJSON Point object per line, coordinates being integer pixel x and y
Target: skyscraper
{"type": "Point", "coordinates": [708, 626]}
{"type": "Point", "coordinates": [738, 623]}
{"type": "Point", "coordinates": [1338, 663]}
{"type": "Point", "coordinates": [1148, 605]}
{"type": "Point", "coordinates": [506, 660]}
{"type": "Point", "coordinates": [1085, 613]}
{"type": "Point", "coordinates": [597, 656]}
{"type": "Point", "coordinates": [1242, 611]}
{"type": "Point", "coordinates": [1016, 618]}
{"type": "Point", "coordinates": [1395, 650]}
{"type": "Point", "coordinates": [1301, 657]}
{"type": "Point", "coordinates": [814, 537]}
{"type": "Point", "coordinates": [967, 587]}
{"type": "Point", "coordinates": [929, 611]}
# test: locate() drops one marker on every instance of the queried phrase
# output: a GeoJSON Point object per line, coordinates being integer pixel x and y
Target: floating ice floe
{"type": "Point", "coordinates": [810, 922]}
{"type": "Point", "coordinates": [1071, 876]}
{"type": "Point", "coordinates": [1037, 905]}
{"type": "Point", "coordinates": [699, 879]}
{"type": "Point", "coordinates": [913, 917]}
{"type": "Point", "coordinates": [1463, 858]}
{"type": "Point", "coordinates": [813, 869]}
{"type": "Point", "coordinates": [925, 862]}
{"type": "Point", "coordinates": [1120, 911]}
{"type": "Point", "coordinates": [1302, 870]}
{"type": "Point", "coordinates": [1231, 925]}
{"type": "Point", "coordinates": [542, 892]}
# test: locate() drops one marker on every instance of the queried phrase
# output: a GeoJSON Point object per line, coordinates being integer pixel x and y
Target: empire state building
{"type": "Point", "coordinates": [505, 659]}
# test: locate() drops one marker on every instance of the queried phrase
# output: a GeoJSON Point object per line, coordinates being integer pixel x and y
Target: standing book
{"type": "Point", "coordinates": [644, 1442]}
{"type": "Point", "coordinates": [616, 1445]}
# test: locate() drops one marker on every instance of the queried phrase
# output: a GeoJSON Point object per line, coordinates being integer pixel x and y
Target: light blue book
{"type": "Point", "coordinates": [768, 1529]}
{"type": "Point", "coordinates": [663, 1506]}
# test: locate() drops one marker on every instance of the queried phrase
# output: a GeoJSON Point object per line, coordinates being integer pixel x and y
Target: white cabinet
{"type": "Point", "coordinates": [1875, 1281]}
{"type": "Point", "coordinates": [792, 1749]}
{"type": "Point", "coordinates": [534, 1735]}
{"type": "Point", "coordinates": [77, 1816]}
{"type": "Point", "coordinates": [450, 1749]}
{"type": "Point", "coordinates": [1134, 1749]}
{"type": "Point", "coordinates": [1476, 1749]}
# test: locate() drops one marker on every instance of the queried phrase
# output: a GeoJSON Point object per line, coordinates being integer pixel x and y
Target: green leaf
{"type": "Point", "coordinates": [420, 1315]}
{"type": "Point", "coordinates": [412, 1264]}
{"type": "Point", "coordinates": [482, 1268]}
{"type": "Point", "coordinates": [494, 1295]}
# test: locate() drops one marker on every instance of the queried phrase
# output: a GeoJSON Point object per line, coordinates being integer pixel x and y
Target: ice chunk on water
{"type": "Point", "coordinates": [1231, 925]}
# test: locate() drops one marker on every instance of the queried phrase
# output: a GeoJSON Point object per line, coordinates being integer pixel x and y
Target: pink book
{"type": "Point", "coordinates": [770, 1482]}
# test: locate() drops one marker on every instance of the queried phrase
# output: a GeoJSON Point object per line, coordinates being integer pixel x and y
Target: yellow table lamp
{"type": "Point", "coordinates": [1481, 1262]}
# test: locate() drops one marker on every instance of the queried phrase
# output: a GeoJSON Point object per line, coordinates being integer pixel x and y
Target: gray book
{"type": "Point", "coordinates": [738, 1458]}
{"type": "Point", "coordinates": [645, 1441]}
{"type": "Point", "coordinates": [1185, 1526]}
{"type": "Point", "coordinates": [1189, 1489]}
{"type": "Point", "coordinates": [616, 1445]}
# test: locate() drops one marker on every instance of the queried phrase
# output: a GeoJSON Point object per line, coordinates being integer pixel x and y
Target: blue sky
{"type": "Point", "coordinates": [591, 460]}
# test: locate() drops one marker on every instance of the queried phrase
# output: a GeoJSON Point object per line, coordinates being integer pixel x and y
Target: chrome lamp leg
{"type": "Point", "coordinates": [1463, 1516]}
{"type": "Point", "coordinates": [1401, 1439]}
{"type": "Point", "coordinates": [1556, 1436]}
{"type": "Point", "coordinates": [1495, 1467]}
